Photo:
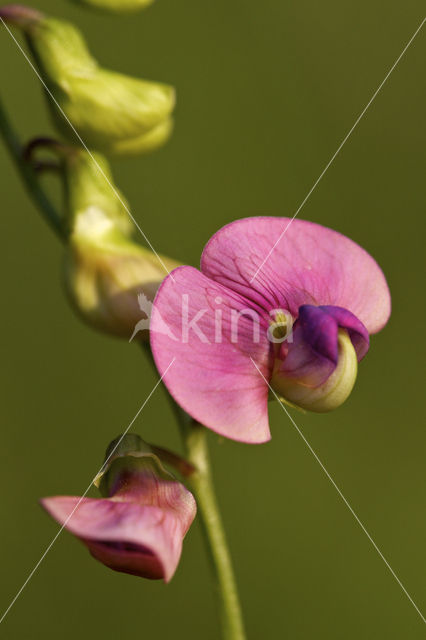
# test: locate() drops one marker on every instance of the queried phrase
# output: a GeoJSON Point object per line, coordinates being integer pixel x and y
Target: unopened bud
{"type": "Point", "coordinates": [110, 278]}
{"type": "Point", "coordinates": [111, 112]}
{"type": "Point", "coordinates": [125, 455]}
{"type": "Point", "coordinates": [90, 185]}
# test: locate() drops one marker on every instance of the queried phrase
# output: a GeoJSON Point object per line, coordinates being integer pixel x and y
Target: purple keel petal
{"type": "Point", "coordinates": [319, 331]}
{"type": "Point", "coordinates": [300, 362]}
{"type": "Point", "coordinates": [212, 376]}
{"type": "Point", "coordinates": [312, 355]}
{"type": "Point", "coordinates": [305, 264]}
{"type": "Point", "coordinates": [356, 330]}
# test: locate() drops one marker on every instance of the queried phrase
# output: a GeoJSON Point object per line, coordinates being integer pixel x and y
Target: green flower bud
{"type": "Point", "coordinates": [112, 113]}
{"type": "Point", "coordinates": [333, 392]}
{"type": "Point", "coordinates": [90, 185]}
{"type": "Point", "coordinates": [111, 279]}
{"type": "Point", "coordinates": [128, 454]}
{"type": "Point", "coordinates": [116, 6]}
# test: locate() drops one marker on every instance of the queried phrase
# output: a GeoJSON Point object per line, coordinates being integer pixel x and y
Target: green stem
{"type": "Point", "coordinates": [202, 486]}
{"type": "Point", "coordinates": [28, 175]}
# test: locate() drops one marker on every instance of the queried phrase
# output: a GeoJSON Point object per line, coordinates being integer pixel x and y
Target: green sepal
{"type": "Point", "coordinates": [127, 454]}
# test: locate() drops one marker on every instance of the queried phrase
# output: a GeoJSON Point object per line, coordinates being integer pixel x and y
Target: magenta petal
{"type": "Point", "coordinates": [212, 377]}
{"type": "Point", "coordinates": [310, 264]}
{"type": "Point", "coordinates": [126, 536]}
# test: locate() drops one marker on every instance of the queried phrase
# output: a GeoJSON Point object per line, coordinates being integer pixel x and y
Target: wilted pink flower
{"type": "Point", "coordinates": [296, 315]}
{"type": "Point", "coordinates": [139, 528]}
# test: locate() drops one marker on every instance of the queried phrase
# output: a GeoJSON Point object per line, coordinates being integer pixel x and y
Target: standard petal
{"type": "Point", "coordinates": [211, 334]}
{"type": "Point", "coordinates": [142, 540]}
{"type": "Point", "coordinates": [286, 264]}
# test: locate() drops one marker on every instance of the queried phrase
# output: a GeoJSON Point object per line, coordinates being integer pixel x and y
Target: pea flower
{"type": "Point", "coordinates": [139, 526]}
{"type": "Point", "coordinates": [116, 6]}
{"type": "Point", "coordinates": [279, 303]}
{"type": "Point", "coordinates": [111, 112]}
{"type": "Point", "coordinates": [110, 278]}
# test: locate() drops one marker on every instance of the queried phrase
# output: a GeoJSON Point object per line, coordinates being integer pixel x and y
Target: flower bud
{"type": "Point", "coordinates": [111, 279]}
{"type": "Point", "coordinates": [126, 455]}
{"type": "Point", "coordinates": [116, 6]}
{"type": "Point", "coordinates": [139, 527]}
{"type": "Point", "coordinates": [111, 112]}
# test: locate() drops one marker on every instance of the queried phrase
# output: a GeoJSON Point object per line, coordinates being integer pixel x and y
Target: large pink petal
{"type": "Point", "coordinates": [212, 377]}
{"type": "Point", "coordinates": [310, 264]}
{"type": "Point", "coordinates": [139, 539]}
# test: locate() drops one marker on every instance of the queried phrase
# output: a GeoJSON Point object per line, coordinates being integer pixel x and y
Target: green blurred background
{"type": "Point", "coordinates": [266, 92]}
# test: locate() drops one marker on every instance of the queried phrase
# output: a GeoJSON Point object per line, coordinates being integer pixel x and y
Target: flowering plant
{"type": "Point", "coordinates": [280, 310]}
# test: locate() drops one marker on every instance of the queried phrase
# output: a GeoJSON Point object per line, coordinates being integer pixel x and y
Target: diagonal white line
{"type": "Point", "coordinates": [95, 162]}
{"type": "Point", "coordinates": [342, 496]}
{"type": "Point", "coordinates": [83, 496]}
{"type": "Point", "coordinates": [345, 139]}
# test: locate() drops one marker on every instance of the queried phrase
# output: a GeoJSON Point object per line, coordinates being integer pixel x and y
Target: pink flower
{"type": "Point", "coordinates": [293, 310]}
{"type": "Point", "coordinates": [139, 528]}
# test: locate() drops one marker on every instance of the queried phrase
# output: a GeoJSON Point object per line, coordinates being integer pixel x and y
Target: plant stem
{"type": "Point", "coordinates": [201, 484]}
{"type": "Point", "coordinates": [28, 175]}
